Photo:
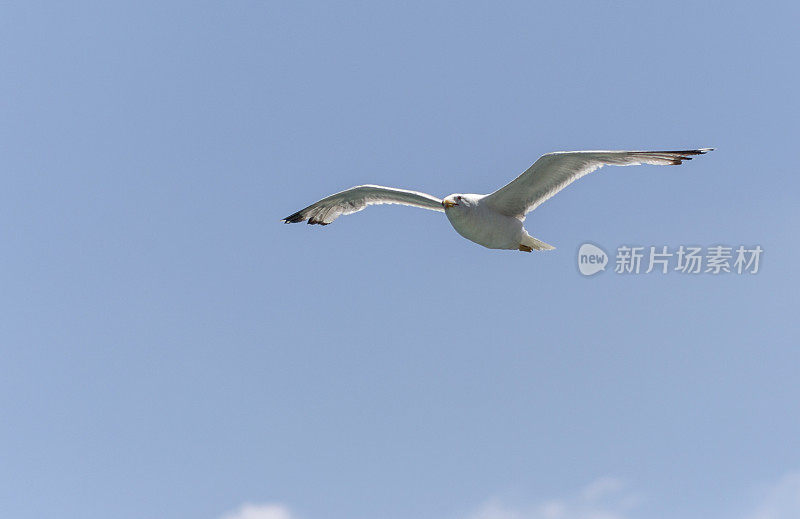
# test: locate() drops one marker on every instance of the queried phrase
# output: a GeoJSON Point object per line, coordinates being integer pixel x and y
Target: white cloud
{"type": "Point", "coordinates": [601, 488]}
{"type": "Point", "coordinates": [605, 498]}
{"type": "Point", "coordinates": [263, 511]}
{"type": "Point", "coordinates": [781, 501]}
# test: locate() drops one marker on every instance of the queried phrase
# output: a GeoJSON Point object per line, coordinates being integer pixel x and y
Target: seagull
{"type": "Point", "coordinates": [494, 220]}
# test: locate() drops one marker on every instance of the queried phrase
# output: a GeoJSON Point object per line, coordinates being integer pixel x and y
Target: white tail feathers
{"type": "Point", "coordinates": [535, 244]}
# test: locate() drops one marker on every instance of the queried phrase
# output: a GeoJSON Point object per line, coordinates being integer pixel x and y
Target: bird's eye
{"type": "Point", "coordinates": [458, 198]}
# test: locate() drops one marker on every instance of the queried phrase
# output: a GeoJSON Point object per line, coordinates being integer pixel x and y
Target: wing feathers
{"type": "Point", "coordinates": [555, 171]}
{"type": "Point", "coordinates": [357, 198]}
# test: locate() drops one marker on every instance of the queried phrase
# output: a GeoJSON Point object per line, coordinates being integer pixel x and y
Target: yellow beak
{"type": "Point", "coordinates": [448, 203]}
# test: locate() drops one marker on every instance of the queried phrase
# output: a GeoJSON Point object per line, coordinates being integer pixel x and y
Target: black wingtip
{"type": "Point", "coordinates": [699, 151]}
{"type": "Point", "coordinates": [685, 154]}
{"type": "Point", "coordinates": [294, 218]}
{"type": "Point", "coordinates": [302, 216]}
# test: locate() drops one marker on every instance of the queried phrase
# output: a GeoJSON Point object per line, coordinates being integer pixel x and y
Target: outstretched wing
{"type": "Point", "coordinates": [555, 171]}
{"type": "Point", "coordinates": [357, 198]}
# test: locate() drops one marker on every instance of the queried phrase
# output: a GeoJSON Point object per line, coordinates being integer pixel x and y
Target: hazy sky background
{"type": "Point", "coordinates": [171, 350]}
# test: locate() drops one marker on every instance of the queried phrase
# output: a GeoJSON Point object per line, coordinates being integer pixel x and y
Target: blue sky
{"type": "Point", "coordinates": [170, 350]}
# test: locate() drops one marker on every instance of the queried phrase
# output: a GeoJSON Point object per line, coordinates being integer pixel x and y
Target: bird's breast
{"type": "Point", "coordinates": [485, 227]}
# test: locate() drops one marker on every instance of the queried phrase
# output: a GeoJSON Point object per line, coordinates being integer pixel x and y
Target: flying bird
{"type": "Point", "coordinates": [494, 220]}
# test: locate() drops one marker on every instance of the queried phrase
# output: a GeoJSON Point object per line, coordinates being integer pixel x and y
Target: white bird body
{"type": "Point", "coordinates": [472, 218]}
{"type": "Point", "coordinates": [494, 220]}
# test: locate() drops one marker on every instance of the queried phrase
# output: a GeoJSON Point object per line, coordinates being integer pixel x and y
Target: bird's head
{"type": "Point", "coordinates": [462, 201]}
